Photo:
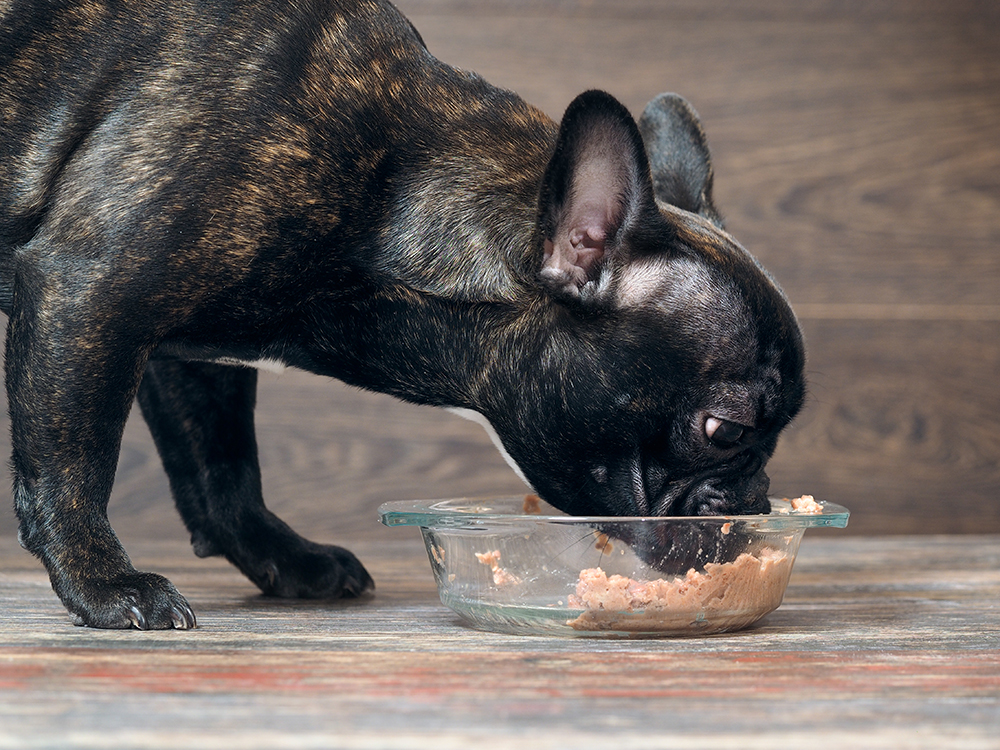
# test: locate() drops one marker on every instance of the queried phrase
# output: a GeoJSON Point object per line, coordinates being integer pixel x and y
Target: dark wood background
{"type": "Point", "coordinates": [857, 152]}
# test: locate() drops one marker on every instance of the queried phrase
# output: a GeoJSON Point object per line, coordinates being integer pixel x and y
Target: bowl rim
{"type": "Point", "coordinates": [460, 513]}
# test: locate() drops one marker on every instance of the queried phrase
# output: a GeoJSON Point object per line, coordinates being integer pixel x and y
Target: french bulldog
{"type": "Point", "coordinates": [189, 190]}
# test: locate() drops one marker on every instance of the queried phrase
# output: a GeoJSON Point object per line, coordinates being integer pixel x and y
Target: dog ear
{"type": "Point", "coordinates": [597, 184]}
{"type": "Point", "coordinates": [679, 158]}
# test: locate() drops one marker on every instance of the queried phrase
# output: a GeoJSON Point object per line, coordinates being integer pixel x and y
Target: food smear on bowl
{"type": "Point", "coordinates": [806, 504]}
{"type": "Point", "coordinates": [501, 577]}
{"type": "Point", "coordinates": [726, 596]}
{"type": "Point", "coordinates": [603, 543]}
{"type": "Point", "coordinates": [532, 505]}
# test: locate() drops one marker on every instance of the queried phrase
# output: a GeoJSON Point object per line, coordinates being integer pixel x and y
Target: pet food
{"type": "Point", "coordinates": [806, 504]}
{"type": "Point", "coordinates": [726, 596]}
{"type": "Point", "coordinates": [603, 543]}
{"type": "Point", "coordinates": [501, 577]}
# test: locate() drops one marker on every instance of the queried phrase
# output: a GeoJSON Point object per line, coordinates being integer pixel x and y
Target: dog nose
{"type": "Point", "coordinates": [722, 496]}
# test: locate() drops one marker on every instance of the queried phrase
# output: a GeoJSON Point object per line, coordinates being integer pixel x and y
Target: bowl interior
{"type": "Point", "coordinates": [502, 568]}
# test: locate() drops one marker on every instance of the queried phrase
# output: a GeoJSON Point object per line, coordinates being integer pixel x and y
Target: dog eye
{"type": "Point", "coordinates": [722, 433]}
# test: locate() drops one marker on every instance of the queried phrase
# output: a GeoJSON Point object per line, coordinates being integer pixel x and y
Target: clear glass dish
{"type": "Point", "coordinates": [515, 565]}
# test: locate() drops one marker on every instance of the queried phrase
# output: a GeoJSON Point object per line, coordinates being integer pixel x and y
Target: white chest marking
{"type": "Point", "coordinates": [475, 416]}
{"type": "Point", "coordinates": [270, 365]}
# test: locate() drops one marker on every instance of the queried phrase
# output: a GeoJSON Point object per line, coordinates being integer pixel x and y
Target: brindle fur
{"type": "Point", "coordinates": [187, 185]}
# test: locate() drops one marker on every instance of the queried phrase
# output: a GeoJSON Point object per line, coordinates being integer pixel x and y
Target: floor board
{"type": "Point", "coordinates": [856, 155]}
{"type": "Point", "coordinates": [880, 643]}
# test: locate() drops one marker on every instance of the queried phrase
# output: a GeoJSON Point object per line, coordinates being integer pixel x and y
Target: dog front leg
{"type": "Point", "coordinates": [71, 378]}
{"type": "Point", "coordinates": [201, 418]}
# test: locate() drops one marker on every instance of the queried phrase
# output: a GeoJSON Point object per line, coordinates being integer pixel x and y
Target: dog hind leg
{"type": "Point", "coordinates": [201, 418]}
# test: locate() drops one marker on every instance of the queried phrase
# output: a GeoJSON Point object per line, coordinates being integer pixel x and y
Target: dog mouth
{"type": "Point", "coordinates": [677, 547]}
{"type": "Point", "coordinates": [735, 489]}
{"type": "Point", "coordinates": [697, 536]}
{"type": "Point", "coordinates": [718, 497]}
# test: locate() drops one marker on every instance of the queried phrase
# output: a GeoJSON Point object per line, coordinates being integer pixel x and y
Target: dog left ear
{"type": "Point", "coordinates": [596, 184]}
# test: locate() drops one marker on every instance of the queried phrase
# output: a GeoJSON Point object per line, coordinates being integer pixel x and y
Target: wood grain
{"type": "Point", "coordinates": [880, 643]}
{"type": "Point", "coordinates": [857, 155]}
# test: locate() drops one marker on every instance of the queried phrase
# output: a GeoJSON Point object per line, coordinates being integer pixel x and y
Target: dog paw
{"type": "Point", "coordinates": [145, 601]}
{"type": "Point", "coordinates": [313, 571]}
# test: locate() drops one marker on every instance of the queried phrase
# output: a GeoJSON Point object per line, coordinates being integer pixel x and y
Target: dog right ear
{"type": "Point", "coordinates": [597, 183]}
{"type": "Point", "coordinates": [679, 158]}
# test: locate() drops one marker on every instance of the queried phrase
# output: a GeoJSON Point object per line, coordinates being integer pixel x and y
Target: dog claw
{"type": "Point", "coordinates": [271, 571]}
{"type": "Point", "coordinates": [183, 619]}
{"type": "Point", "coordinates": [137, 618]}
{"type": "Point", "coordinates": [362, 587]}
{"type": "Point", "coordinates": [140, 601]}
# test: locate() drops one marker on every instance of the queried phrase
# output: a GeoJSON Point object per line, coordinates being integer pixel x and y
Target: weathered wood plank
{"type": "Point", "coordinates": [894, 426]}
{"type": "Point", "coordinates": [900, 636]}
{"type": "Point", "coordinates": [856, 155]}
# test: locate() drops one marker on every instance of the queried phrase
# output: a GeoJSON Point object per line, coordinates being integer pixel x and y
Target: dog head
{"type": "Point", "coordinates": [661, 361]}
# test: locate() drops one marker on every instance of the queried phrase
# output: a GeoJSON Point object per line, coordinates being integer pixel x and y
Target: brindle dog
{"type": "Point", "coordinates": [187, 188]}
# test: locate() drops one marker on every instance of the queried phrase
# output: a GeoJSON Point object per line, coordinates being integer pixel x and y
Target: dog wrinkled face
{"type": "Point", "coordinates": [643, 412]}
{"type": "Point", "coordinates": [673, 361]}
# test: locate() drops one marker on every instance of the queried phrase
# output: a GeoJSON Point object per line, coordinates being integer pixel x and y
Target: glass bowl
{"type": "Point", "coordinates": [515, 565]}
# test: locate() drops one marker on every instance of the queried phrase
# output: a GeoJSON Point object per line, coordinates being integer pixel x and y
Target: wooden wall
{"type": "Point", "coordinates": [857, 152]}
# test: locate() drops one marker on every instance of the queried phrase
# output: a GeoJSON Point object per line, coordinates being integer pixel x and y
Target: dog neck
{"type": "Point", "coordinates": [421, 347]}
{"type": "Point", "coordinates": [463, 214]}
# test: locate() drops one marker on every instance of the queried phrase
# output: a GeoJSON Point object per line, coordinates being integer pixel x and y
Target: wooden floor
{"type": "Point", "coordinates": [880, 643]}
{"type": "Point", "coordinates": [857, 150]}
